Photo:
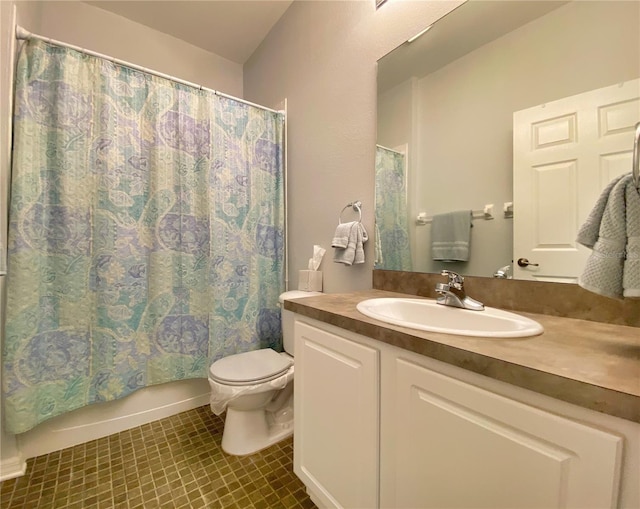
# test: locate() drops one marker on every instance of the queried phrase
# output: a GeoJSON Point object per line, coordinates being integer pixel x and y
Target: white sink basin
{"type": "Point", "coordinates": [425, 314]}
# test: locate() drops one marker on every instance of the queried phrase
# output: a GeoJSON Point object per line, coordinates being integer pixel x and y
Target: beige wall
{"type": "Point", "coordinates": [395, 112]}
{"type": "Point", "coordinates": [322, 57]}
{"type": "Point", "coordinates": [102, 31]}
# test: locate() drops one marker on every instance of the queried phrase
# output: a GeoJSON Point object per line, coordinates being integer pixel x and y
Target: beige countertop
{"type": "Point", "coordinates": [590, 364]}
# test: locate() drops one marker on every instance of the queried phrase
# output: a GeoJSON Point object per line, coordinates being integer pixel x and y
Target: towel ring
{"type": "Point", "coordinates": [356, 205]}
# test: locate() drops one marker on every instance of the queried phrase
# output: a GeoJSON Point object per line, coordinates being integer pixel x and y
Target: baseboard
{"type": "Point", "coordinates": [315, 499]}
{"type": "Point", "coordinates": [12, 467]}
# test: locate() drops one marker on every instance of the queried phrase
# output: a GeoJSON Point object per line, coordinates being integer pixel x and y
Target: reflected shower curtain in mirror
{"type": "Point", "coordinates": [393, 251]}
{"type": "Point", "coordinates": [146, 233]}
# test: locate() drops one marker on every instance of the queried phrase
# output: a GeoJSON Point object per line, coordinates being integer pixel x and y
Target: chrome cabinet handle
{"type": "Point", "coordinates": [523, 262]}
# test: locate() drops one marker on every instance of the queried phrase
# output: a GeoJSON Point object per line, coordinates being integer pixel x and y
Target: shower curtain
{"type": "Point", "coordinates": [146, 233]}
{"type": "Point", "coordinates": [393, 251]}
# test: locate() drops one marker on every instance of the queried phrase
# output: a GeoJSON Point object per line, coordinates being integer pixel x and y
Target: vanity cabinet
{"type": "Point", "coordinates": [379, 426]}
{"type": "Point", "coordinates": [336, 407]}
{"type": "Point", "coordinates": [457, 445]}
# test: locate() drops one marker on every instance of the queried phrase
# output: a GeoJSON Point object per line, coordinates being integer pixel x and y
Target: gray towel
{"type": "Point", "coordinates": [361, 238]}
{"type": "Point", "coordinates": [613, 268]}
{"type": "Point", "coordinates": [353, 253]}
{"type": "Point", "coordinates": [450, 236]}
{"type": "Point", "coordinates": [590, 230]}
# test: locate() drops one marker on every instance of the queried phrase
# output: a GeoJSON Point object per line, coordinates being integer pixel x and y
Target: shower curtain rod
{"type": "Point", "coordinates": [390, 149]}
{"type": "Point", "coordinates": [24, 34]}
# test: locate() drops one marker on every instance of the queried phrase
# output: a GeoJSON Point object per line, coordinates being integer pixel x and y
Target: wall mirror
{"type": "Point", "coordinates": [521, 110]}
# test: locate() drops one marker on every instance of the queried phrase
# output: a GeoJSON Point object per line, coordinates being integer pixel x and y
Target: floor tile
{"type": "Point", "coordinates": [176, 462]}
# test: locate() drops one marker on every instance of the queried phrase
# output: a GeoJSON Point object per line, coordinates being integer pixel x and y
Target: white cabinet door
{"type": "Point", "coordinates": [459, 446]}
{"type": "Point", "coordinates": [565, 152]}
{"type": "Point", "coordinates": [336, 431]}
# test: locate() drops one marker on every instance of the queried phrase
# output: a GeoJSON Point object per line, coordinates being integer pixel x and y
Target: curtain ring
{"type": "Point", "coordinates": [356, 205]}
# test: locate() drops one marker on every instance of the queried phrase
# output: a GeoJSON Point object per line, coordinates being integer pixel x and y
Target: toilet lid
{"type": "Point", "coordinates": [254, 366]}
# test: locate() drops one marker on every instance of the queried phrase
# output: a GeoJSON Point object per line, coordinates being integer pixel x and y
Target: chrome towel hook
{"type": "Point", "coordinates": [636, 157]}
{"type": "Point", "coordinates": [357, 206]}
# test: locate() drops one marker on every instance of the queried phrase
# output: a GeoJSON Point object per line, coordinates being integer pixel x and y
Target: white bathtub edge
{"type": "Point", "coordinates": [103, 419]}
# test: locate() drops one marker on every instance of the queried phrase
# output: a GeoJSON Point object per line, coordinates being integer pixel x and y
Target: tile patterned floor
{"type": "Point", "coordinates": [175, 462]}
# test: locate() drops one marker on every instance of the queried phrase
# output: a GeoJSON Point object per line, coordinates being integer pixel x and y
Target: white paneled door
{"type": "Point", "coordinates": [565, 152]}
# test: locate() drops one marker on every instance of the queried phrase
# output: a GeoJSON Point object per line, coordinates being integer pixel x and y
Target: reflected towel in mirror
{"type": "Point", "coordinates": [450, 236]}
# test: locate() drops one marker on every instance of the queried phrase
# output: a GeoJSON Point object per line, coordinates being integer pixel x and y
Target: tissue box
{"type": "Point", "coordinates": [310, 280]}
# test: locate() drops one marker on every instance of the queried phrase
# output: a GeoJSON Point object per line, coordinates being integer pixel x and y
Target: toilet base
{"type": "Point", "coordinates": [249, 431]}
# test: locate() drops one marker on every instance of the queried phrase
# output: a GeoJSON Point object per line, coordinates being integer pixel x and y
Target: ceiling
{"type": "Point", "coordinates": [232, 29]}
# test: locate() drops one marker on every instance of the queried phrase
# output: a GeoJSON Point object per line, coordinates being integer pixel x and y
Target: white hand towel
{"type": "Point", "coordinates": [613, 268]}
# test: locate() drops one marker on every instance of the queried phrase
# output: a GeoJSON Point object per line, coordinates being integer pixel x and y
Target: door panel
{"type": "Point", "coordinates": [459, 446]}
{"type": "Point", "coordinates": [336, 418]}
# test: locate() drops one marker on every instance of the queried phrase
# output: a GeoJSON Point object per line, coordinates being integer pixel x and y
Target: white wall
{"type": "Point", "coordinates": [98, 30]}
{"type": "Point", "coordinates": [322, 57]}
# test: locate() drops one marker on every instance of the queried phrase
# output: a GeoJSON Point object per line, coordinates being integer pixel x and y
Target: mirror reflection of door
{"type": "Point", "coordinates": [565, 153]}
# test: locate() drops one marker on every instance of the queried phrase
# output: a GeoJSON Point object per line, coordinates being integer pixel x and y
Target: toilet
{"type": "Point", "coordinates": [256, 388]}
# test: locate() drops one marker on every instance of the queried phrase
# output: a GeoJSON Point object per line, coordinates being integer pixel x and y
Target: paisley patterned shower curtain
{"type": "Point", "coordinates": [393, 251]}
{"type": "Point", "coordinates": [146, 233]}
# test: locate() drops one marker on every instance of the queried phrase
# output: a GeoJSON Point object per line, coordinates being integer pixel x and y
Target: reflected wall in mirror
{"type": "Point", "coordinates": [447, 103]}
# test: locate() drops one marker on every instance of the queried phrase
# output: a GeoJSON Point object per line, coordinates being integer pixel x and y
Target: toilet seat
{"type": "Point", "coordinates": [250, 368]}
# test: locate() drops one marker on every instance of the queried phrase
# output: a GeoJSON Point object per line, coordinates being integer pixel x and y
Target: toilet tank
{"type": "Point", "coordinates": [287, 317]}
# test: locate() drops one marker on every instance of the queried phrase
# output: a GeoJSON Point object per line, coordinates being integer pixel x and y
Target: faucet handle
{"type": "Point", "coordinates": [454, 278]}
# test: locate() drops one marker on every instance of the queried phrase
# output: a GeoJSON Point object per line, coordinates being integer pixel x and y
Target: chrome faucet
{"type": "Point", "coordinates": [503, 272]}
{"type": "Point", "coordinates": [453, 294]}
